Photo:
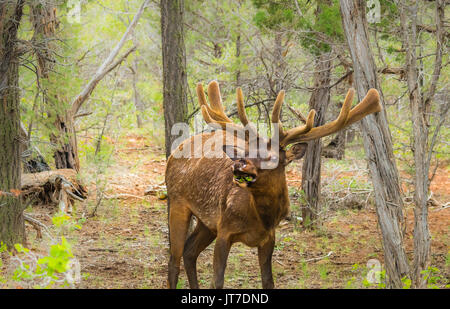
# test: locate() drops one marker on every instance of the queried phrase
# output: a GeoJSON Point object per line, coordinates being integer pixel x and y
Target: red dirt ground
{"type": "Point", "coordinates": [125, 245]}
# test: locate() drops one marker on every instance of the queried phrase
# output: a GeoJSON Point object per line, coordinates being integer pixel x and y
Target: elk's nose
{"type": "Point", "coordinates": [238, 166]}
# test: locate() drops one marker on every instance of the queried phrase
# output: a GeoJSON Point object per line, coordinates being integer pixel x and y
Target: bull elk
{"type": "Point", "coordinates": [233, 197]}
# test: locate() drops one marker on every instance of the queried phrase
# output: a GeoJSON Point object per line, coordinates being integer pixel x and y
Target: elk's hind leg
{"type": "Point", "coordinates": [179, 219]}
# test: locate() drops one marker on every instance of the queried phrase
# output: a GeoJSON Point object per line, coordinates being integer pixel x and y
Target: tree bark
{"type": "Point", "coordinates": [377, 145]}
{"type": "Point", "coordinates": [312, 162]}
{"type": "Point", "coordinates": [12, 228]}
{"type": "Point", "coordinates": [138, 104]}
{"type": "Point", "coordinates": [65, 139]}
{"type": "Point", "coordinates": [174, 67]}
{"type": "Point", "coordinates": [420, 110]}
{"type": "Point", "coordinates": [336, 148]}
{"type": "Point", "coordinates": [238, 54]}
{"type": "Point", "coordinates": [44, 21]}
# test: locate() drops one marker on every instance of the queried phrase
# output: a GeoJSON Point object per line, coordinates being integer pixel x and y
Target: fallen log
{"type": "Point", "coordinates": [58, 187]}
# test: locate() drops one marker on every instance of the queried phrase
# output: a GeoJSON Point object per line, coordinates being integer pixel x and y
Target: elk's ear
{"type": "Point", "coordinates": [296, 152]}
{"type": "Point", "coordinates": [233, 152]}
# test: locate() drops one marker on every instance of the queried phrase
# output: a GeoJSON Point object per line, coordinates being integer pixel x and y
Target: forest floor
{"type": "Point", "coordinates": [125, 245]}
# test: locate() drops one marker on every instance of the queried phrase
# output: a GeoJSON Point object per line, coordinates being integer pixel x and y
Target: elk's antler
{"type": "Point", "coordinates": [286, 136]}
{"type": "Point", "coordinates": [370, 104]}
{"type": "Point", "coordinates": [214, 113]}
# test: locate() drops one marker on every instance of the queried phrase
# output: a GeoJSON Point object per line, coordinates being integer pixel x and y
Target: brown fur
{"type": "Point", "coordinates": [233, 213]}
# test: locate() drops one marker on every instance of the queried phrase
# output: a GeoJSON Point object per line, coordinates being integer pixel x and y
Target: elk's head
{"type": "Point", "coordinates": [255, 157]}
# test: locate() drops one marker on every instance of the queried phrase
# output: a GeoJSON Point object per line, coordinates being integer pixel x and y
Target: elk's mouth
{"type": "Point", "coordinates": [242, 178]}
{"type": "Point", "coordinates": [244, 173]}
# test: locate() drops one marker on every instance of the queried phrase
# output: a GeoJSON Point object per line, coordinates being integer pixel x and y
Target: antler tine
{"type": "Point", "coordinates": [276, 112]}
{"type": "Point", "coordinates": [241, 107]}
{"type": "Point", "coordinates": [206, 115]}
{"type": "Point", "coordinates": [201, 95]}
{"type": "Point", "coordinates": [223, 125]}
{"type": "Point", "coordinates": [370, 104]}
{"type": "Point", "coordinates": [216, 115]}
{"type": "Point", "coordinates": [215, 101]}
{"type": "Point", "coordinates": [330, 127]}
{"type": "Point", "coordinates": [292, 134]}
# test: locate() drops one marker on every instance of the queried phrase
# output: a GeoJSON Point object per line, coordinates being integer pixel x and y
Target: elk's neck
{"type": "Point", "coordinates": [271, 199]}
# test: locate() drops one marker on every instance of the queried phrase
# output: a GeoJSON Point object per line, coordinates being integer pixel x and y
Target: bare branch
{"type": "Point", "coordinates": [107, 65]}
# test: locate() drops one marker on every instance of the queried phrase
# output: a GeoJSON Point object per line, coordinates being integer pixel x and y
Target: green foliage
{"type": "Point", "coordinates": [58, 259]}
{"type": "Point", "coordinates": [328, 20]}
{"type": "Point", "coordinates": [325, 21]}
{"type": "Point", "coordinates": [45, 272]}
{"type": "Point", "coordinates": [389, 13]}
{"type": "Point", "coordinates": [181, 283]}
{"type": "Point", "coordinates": [274, 15]}
{"type": "Point", "coordinates": [60, 219]}
{"type": "Point", "coordinates": [406, 283]}
{"type": "Point", "coordinates": [3, 247]}
{"type": "Point", "coordinates": [323, 271]}
{"type": "Point", "coordinates": [434, 279]}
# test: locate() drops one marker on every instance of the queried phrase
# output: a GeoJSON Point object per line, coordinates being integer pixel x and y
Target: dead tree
{"type": "Point", "coordinates": [312, 163]}
{"type": "Point", "coordinates": [58, 187]}
{"type": "Point", "coordinates": [66, 156]}
{"type": "Point", "coordinates": [377, 144]}
{"type": "Point", "coordinates": [421, 106]}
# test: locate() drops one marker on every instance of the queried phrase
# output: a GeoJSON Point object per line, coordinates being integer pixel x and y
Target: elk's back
{"type": "Point", "coordinates": [201, 183]}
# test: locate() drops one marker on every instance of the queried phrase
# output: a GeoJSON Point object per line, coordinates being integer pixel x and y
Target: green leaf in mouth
{"type": "Point", "coordinates": [242, 179]}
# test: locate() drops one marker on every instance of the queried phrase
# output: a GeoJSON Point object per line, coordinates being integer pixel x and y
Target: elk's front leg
{"type": "Point", "coordinates": [265, 252]}
{"type": "Point", "coordinates": [221, 251]}
{"type": "Point", "coordinates": [196, 243]}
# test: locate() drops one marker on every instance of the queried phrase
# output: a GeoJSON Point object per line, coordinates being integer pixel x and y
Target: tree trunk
{"type": "Point", "coordinates": [420, 111]}
{"type": "Point", "coordinates": [377, 145]}
{"type": "Point", "coordinates": [340, 144]}
{"type": "Point", "coordinates": [312, 160]}
{"type": "Point", "coordinates": [43, 16]}
{"type": "Point", "coordinates": [66, 153]}
{"type": "Point", "coordinates": [138, 104]}
{"type": "Point", "coordinates": [238, 54]}
{"type": "Point", "coordinates": [336, 148]}
{"type": "Point", "coordinates": [174, 67]}
{"type": "Point", "coordinates": [280, 66]}
{"type": "Point", "coordinates": [12, 228]}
